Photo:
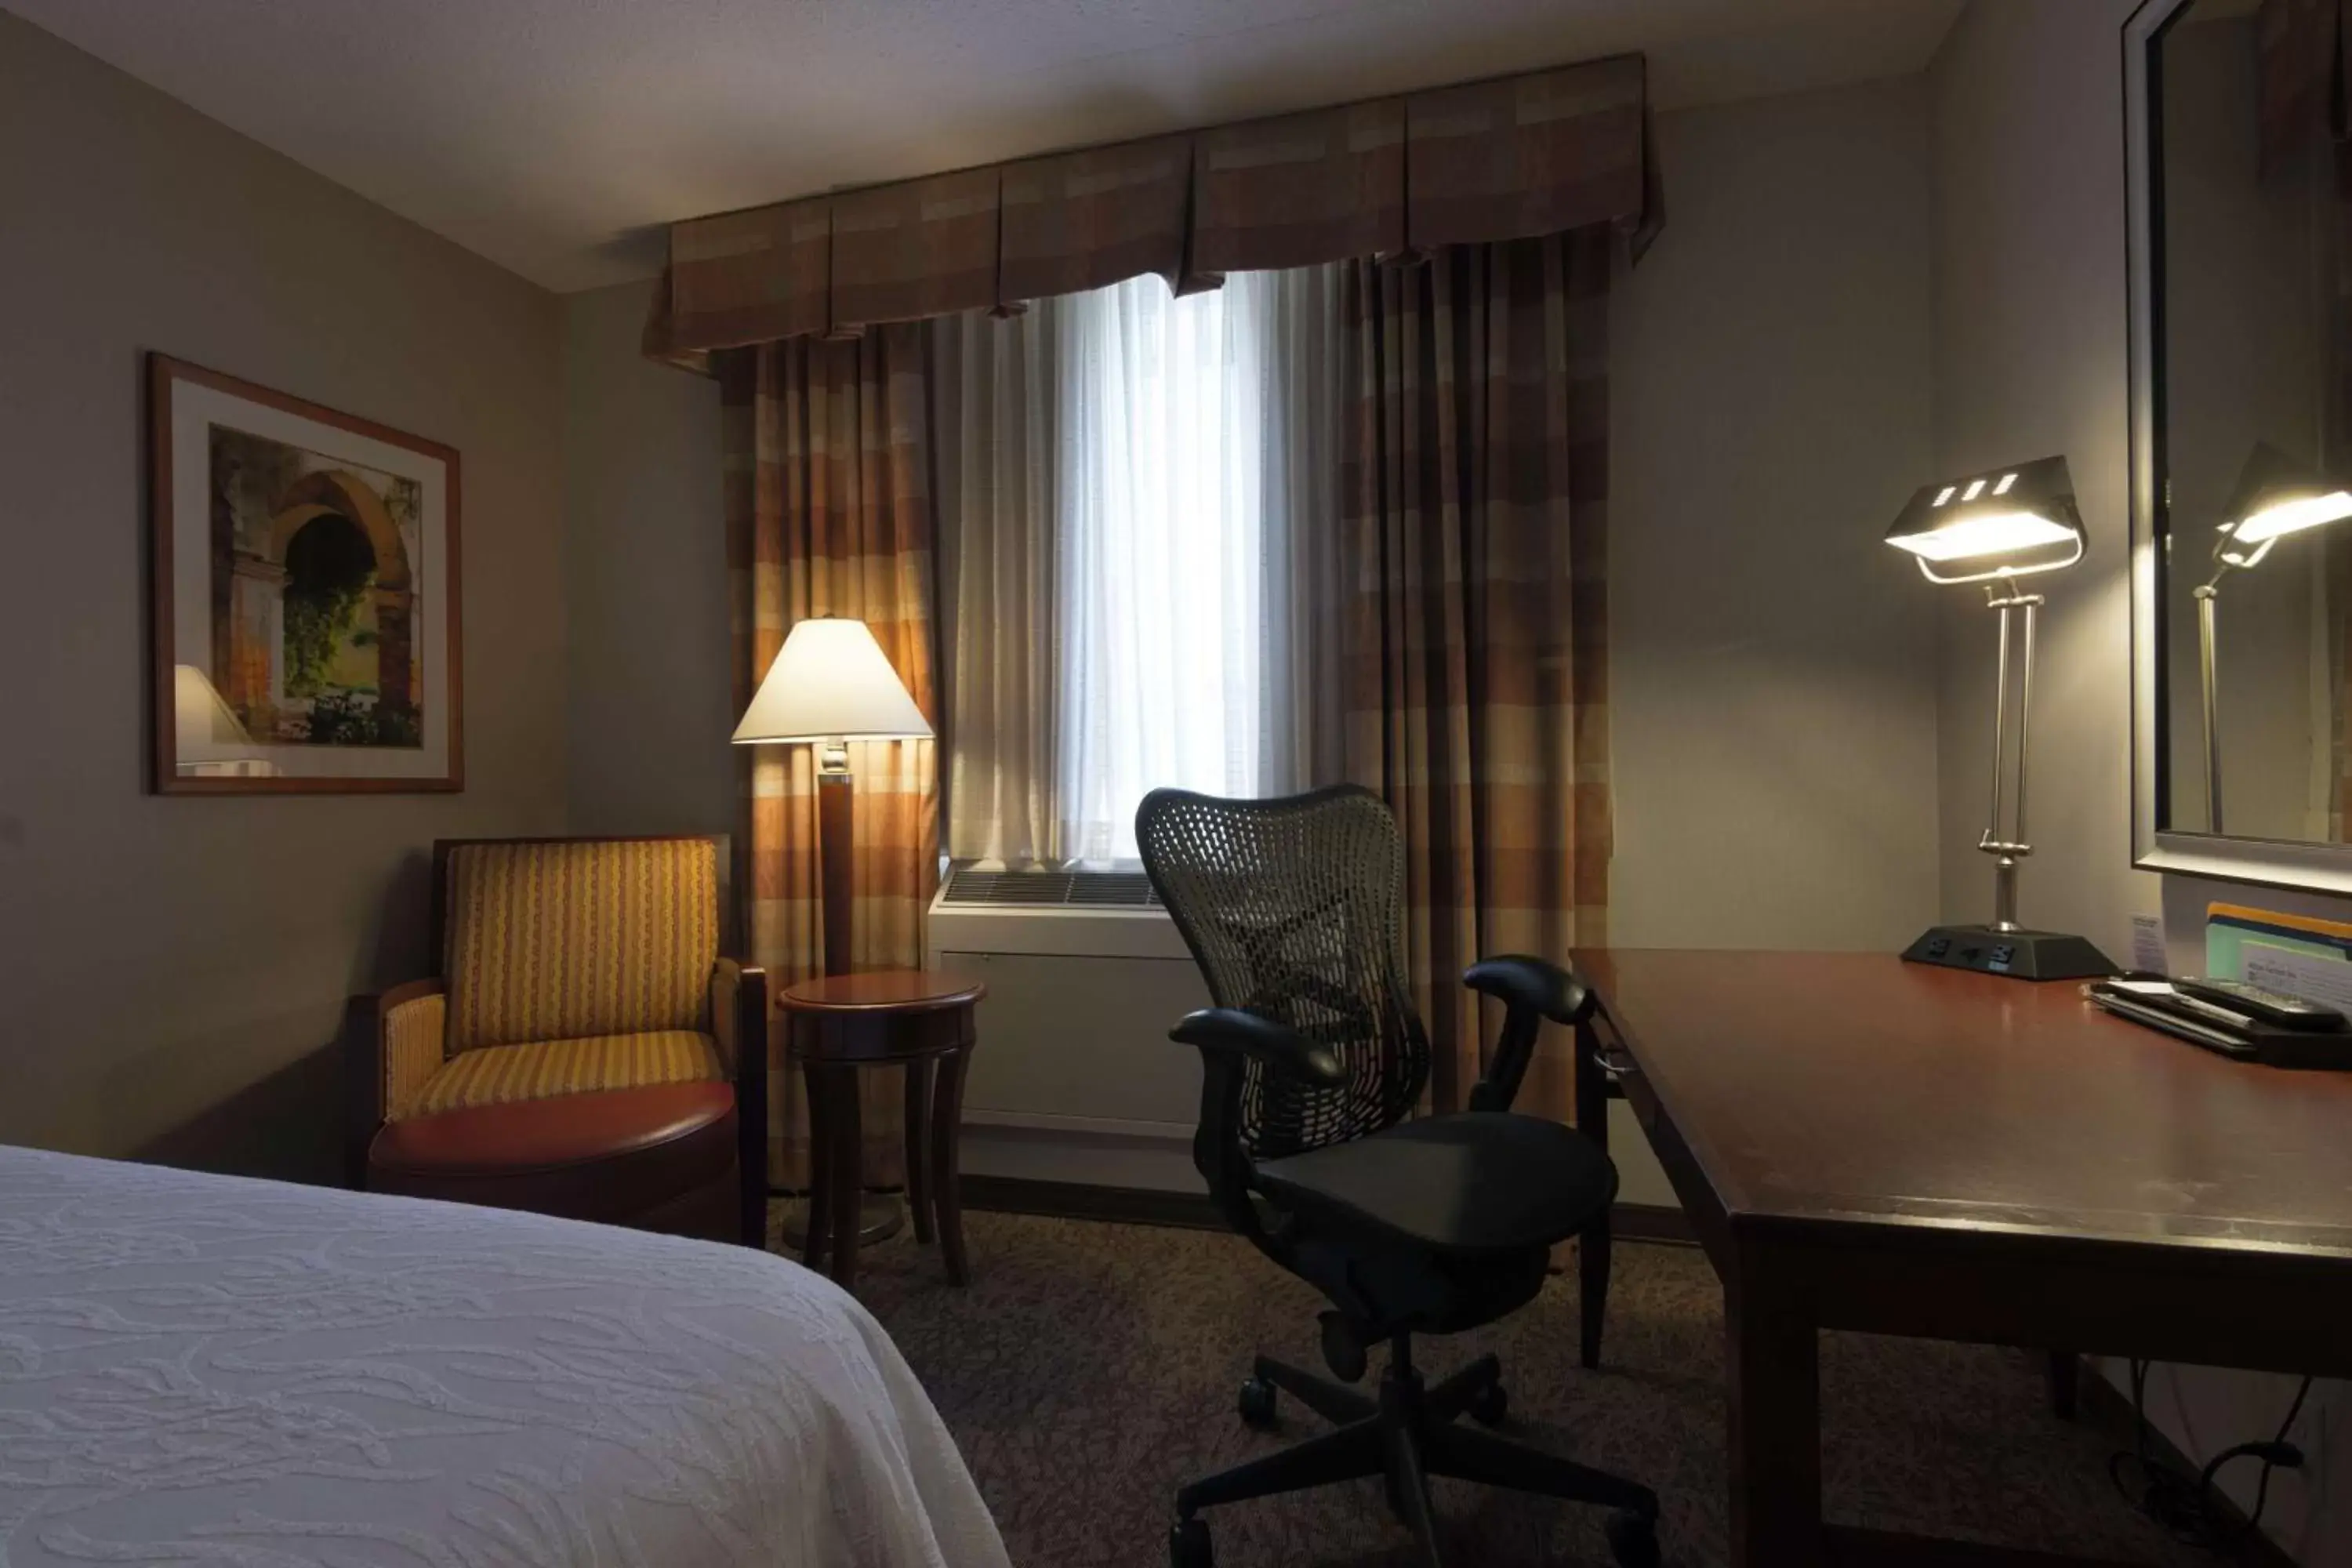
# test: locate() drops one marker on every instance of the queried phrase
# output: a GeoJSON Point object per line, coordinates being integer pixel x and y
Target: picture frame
{"type": "Point", "coordinates": [305, 612]}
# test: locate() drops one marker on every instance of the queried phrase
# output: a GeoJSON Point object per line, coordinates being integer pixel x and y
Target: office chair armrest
{"type": "Point", "coordinates": [1537, 984]}
{"type": "Point", "coordinates": [1531, 990]}
{"type": "Point", "coordinates": [1231, 1031]}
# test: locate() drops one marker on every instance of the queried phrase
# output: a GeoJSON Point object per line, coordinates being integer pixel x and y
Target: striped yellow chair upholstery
{"type": "Point", "coordinates": [570, 968]}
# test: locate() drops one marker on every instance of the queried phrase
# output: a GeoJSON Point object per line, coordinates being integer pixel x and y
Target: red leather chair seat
{"type": "Point", "coordinates": [659, 1158]}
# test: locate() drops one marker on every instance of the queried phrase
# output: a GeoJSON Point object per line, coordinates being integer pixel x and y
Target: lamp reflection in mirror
{"type": "Point", "coordinates": [1994, 528]}
{"type": "Point", "coordinates": [830, 684]}
{"type": "Point", "coordinates": [207, 741]}
{"type": "Point", "coordinates": [2275, 496]}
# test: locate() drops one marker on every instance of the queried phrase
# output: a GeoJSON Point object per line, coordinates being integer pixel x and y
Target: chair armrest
{"type": "Point", "coordinates": [1537, 984]}
{"type": "Point", "coordinates": [1278, 1047]}
{"type": "Point", "coordinates": [393, 1043]}
{"type": "Point", "coordinates": [739, 1022]}
{"type": "Point", "coordinates": [739, 997]}
{"type": "Point", "coordinates": [1531, 990]}
{"type": "Point", "coordinates": [1228, 1038]}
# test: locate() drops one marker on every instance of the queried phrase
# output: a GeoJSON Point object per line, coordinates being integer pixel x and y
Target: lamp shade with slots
{"type": "Point", "coordinates": [831, 682]}
{"type": "Point", "coordinates": [2005, 523]}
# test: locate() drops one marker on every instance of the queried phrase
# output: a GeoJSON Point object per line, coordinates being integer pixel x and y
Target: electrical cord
{"type": "Point", "coordinates": [2191, 1509]}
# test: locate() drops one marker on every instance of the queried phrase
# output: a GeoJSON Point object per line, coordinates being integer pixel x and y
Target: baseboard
{"type": "Point", "coordinates": [1659, 1223]}
{"type": "Point", "coordinates": [1081, 1200]}
{"type": "Point", "coordinates": [2106, 1407]}
{"type": "Point", "coordinates": [1197, 1211]}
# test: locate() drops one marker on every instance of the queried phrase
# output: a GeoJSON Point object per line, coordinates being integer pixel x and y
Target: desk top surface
{"type": "Point", "coordinates": [1857, 1086]}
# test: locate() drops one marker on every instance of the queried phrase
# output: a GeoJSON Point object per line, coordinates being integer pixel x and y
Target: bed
{"type": "Point", "coordinates": [199, 1369]}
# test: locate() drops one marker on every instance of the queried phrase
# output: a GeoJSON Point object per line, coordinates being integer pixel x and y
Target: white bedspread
{"type": "Point", "coordinates": [206, 1369]}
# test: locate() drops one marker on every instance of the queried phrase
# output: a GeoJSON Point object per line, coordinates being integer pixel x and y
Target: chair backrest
{"type": "Point", "coordinates": [1293, 909]}
{"type": "Point", "coordinates": [559, 939]}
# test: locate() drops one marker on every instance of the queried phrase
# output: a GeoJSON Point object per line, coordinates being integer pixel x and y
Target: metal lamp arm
{"type": "Point", "coordinates": [2008, 845]}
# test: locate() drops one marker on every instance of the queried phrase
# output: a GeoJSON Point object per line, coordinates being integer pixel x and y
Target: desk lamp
{"type": "Point", "coordinates": [1995, 528]}
{"type": "Point", "coordinates": [831, 684]}
{"type": "Point", "coordinates": [2275, 496]}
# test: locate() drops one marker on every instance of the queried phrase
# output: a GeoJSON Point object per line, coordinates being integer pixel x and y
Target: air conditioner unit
{"type": "Point", "coordinates": [1074, 1077]}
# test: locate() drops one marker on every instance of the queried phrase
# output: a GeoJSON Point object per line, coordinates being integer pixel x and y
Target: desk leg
{"type": "Point", "coordinates": [1773, 1352]}
{"type": "Point", "coordinates": [947, 1185]}
{"type": "Point", "coordinates": [2065, 1381]}
{"type": "Point", "coordinates": [1593, 1247]}
{"type": "Point", "coordinates": [846, 1178]}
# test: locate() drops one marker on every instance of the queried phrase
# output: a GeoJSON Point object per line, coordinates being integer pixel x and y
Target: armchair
{"type": "Point", "coordinates": [586, 1048]}
{"type": "Point", "coordinates": [1312, 1063]}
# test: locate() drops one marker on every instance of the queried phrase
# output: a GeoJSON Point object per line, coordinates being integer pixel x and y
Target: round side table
{"type": "Point", "coordinates": [909, 1018]}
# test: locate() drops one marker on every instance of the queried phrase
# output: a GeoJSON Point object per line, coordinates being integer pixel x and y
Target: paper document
{"type": "Point", "coordinates": [2327, 981]}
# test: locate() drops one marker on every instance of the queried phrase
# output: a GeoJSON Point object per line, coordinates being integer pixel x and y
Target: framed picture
{"type": "Point", "coordinates": [305, 612]}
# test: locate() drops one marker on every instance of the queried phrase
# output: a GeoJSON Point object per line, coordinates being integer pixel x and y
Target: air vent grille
{"type": "Point", "coordinates": [969, 887]}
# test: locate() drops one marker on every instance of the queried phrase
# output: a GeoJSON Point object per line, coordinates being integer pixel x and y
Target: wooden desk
{"type": "Point", "coordinates": [1872, 1145]}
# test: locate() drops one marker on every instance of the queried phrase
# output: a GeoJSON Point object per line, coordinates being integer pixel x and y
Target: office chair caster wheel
{"type": "Point", "coordinates": [1188, 1546]}
{"type": "Point", "coordinates": [1633, 1540]}
{"type": "Point", "coordinates": [1491, 1405]}
{"type": "Point", "coordinates": [1258, 1405]}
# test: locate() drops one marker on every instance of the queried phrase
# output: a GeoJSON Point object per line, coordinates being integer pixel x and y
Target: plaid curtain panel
{"type": "Point", "coordinates": [829, 514]}
{"type": "Point", "coordinates": [1475, 490]}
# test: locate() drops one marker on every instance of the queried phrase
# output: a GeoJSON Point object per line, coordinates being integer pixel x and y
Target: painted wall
{"type": "Point", "coordinates": [649, 679]}
{"type": "Point", "coordinates": [1772, 679]}
{"type": "Point", "coordinates": [174, 970]}
{"type": "Point", "coordinates": [2030, 312]}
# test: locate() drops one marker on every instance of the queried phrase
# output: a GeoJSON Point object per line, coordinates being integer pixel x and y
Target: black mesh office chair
{"type": "Point", "coordinates": [1312, 1063]}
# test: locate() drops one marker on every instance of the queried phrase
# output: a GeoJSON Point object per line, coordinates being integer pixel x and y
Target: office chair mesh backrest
{"type": "Point", "coordinates": [1293, 909]}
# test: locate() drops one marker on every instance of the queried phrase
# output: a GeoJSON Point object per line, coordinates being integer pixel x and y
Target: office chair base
{"type": "Point", "coordinates": [1408, 1433]}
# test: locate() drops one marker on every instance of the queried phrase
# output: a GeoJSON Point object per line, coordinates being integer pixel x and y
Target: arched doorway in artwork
{"type": "Point", "coordinates": [333, 555]}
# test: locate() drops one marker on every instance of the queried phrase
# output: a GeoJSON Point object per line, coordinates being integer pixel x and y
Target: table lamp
{"type": "Point", "coordinates": [831, 684]}
{"type": "Point", "coordinates": [208, 739]}
{"type": "Point", "coordinates": [2275, 496]}
{"type": "Point", "coordinates": [1994, 528]}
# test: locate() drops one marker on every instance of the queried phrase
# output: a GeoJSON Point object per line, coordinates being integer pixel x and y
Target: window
{"type": "Point", "coordinates": [1135, 495]}
{"type": "Point", "coordinates": [1160, 538]}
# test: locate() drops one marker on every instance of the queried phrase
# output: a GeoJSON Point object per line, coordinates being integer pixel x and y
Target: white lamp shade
{"type": "Point", "coordinates": [831, 682]}
{"type": "Point", "coordinates": [204, 730]}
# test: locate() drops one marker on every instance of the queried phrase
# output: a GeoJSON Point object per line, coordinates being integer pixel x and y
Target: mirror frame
{"type": "Point", "coordinates": [2271, 862]}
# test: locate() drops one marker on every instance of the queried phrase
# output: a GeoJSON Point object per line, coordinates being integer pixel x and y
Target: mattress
{"type": "Point", "coordinates": [199, 1369]}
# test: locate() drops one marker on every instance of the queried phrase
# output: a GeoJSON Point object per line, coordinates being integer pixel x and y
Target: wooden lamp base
{"type": "Point", "coordinates": [880, 1215]}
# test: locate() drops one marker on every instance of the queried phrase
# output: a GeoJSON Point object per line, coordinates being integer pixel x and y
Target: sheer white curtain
{"type": "Point", "coordinates": [1160, 541]}
{"type": "Point", "coordinates": [1140, 506]}
{"type": "Point", "coordinates": [997, 445]}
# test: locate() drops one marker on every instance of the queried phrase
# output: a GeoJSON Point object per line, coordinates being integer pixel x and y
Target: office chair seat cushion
{"type": "Point", "coordinates": [1475, 1182]}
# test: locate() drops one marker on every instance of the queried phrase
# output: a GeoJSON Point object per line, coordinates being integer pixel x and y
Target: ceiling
{"type": "Point", "coordinates": [555, 136]}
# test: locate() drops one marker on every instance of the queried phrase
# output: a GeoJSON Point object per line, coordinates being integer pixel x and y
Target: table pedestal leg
{"type": "Point", "coordinates": [844, 1175]}
{"type": "Point", "coordinates": [915, 1136]}
{"type": "Point", "coordinates": [947, 1121]}
{"type": "Point", "coordinates": [819, 1220]}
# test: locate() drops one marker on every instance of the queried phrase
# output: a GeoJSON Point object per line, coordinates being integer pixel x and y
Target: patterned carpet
{"type": "Point", "coordinates": [1089, 1369]}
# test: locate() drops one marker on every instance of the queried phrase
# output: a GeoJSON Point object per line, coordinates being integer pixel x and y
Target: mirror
{"type": "Point", "coordinates": [2241, 388]}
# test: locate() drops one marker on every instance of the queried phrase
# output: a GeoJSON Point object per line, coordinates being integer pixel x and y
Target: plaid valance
{"type": "Point", "coordinates": [1511, 158]}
